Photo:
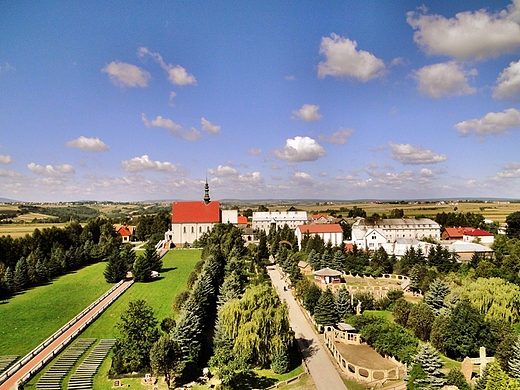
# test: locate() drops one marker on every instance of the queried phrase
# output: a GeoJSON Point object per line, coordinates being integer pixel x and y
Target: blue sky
{"type": "Point", "coordinates": [131, 100]}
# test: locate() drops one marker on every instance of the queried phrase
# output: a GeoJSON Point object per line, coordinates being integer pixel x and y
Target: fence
{"type": "Point", "coordinates": [27, 358]}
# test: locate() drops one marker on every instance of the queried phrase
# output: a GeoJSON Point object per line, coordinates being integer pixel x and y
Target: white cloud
{"type": "Point", "coordinates": [254, 152]}
{"type": "Point", "coordinates": [209, 127]}
{"type": "Point", "coordinates": [226, 172]}
{"type": "Point", "coordinates": [175, 130]}
{"type": "Point", "coordinates": [126, 75]}
{"type": "Point", "coordinates": [290, 78]}
{"type": "Point", "coordinates": [51, 170]}
{"type": "Point", "coordinates": [302, 178]}
{"type": "Point", "coordinates": [340, 137]}
{"type": "Point", "coordinates": [88, 144]}
{"type": "Point", "coordinates": [477, 35]}
{"type": "Point", "coordinates": [170, 101]}
{"type": "Point", "coordinates": [143, 163]}
{"type": "Point", "coordinates": [176, 73]}
{"type": "Point", "coordinates": [414, 155]}
{"type": "Point", "coordinates": [300, 149]}
{"type": "Point", "coordinates": [509, 171]}
{"type": "Point", "coordinates": [509, 83]}
{"type": "Point", "coordinates": [344, 60]}
{"type": "Point", "coordinates": [444, 79]}
{"type": "Point", "coordinates": [10, 174]}
{"type": "Point", "coordinates": [492, 123]}
{"type": "Point", "coordinates": [308, 113]}
{"type": "Point", "coordinates": [5, 159]}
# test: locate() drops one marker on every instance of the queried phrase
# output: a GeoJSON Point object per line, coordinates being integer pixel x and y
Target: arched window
{"type": "Point", "coordinates": [184, 229]}
{"type": "Point", "coordinates": [192, 229]}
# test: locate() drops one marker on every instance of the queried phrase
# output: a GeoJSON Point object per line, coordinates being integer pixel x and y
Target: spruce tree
{"type": "Point", "coordinates": [142, 269]}
{"type": "Point", "coordinates": [343, 306]}
{"type": "Point", "coordinates": [325, 312]}
{"type": "Point", "coordinates": [431, 364]}
{"type": "Point", "coordinates": [456, 378]}
{"type": "Point", "coordinates": [21, 277]}
{"type": "Point", "coordinates": [437, 292]}
{"type": "Point", "coordinates": [9, 280]}
{"type": "Point", "coordinates": [116, 267]}
{"type": "Point", "coordinates": [514, 362]}
{"type": "Point", "coordinates": [339, 260]}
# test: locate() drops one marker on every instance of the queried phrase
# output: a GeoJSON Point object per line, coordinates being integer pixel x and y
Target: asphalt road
{"type": "Point", "coordinates": [11, 383]}
{"type": "Point", "coordinates": [321, 368]}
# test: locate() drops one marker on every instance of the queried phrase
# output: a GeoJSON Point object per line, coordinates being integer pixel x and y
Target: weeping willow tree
{"type": "Point", "coordinates": [496, 298]}
{"type": "Point", "coordinates": [256, 325]}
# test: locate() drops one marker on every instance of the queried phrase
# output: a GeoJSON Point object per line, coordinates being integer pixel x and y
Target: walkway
{"type": "Point", "coordinates": [34, 364]}
{"type": "Point", "coordinates": [320, 366]}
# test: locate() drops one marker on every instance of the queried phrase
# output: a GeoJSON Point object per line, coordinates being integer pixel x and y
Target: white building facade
{"type": "Point", "coordinates": [265, 219]}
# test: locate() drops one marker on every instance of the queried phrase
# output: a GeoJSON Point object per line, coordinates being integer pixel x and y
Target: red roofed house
{"type": "Point", "coordinates": [124, 231]}
{"type": "Point", "coordinates": [319, 218]}
{"type": "Point", "coordinates": [190, 220]}
{"type": "Point", "coordinates": [328, 232]}
{"type": "Point", "coordinates": [468, 234]}
{"type": "Point", "coordinates": [471, 235]}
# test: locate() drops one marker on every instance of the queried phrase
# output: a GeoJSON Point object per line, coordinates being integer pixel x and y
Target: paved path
{"type": "Point", "coordinates": [11, 383]}
{"type": "Point", "coordinates": [320, 366]}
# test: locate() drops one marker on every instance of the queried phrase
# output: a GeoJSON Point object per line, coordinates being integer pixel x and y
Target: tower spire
{"type": "Point", "coordinates": [206, 192]}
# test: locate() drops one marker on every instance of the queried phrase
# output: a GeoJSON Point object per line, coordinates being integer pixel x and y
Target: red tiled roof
{"type": "Point", "coordinates": [477, 233]}
{"type": "Point", "coordinates": [242, 220]}
{"type": "Point", "coordinates": [468, 231]}
{"type": "Point", "coordinates": [197, 212]}
{"type": "Point", "coordinates": [326, 228]}
{"type": "Point", "coordinates": [318, 216]}
{"type": "Point", "coordinates": [454, 232]}
{"type": "Point", "coordinates": [125, 231]}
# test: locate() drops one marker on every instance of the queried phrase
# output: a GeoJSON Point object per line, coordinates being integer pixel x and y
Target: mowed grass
{"type": "Point", "coordinates": [31, 317]}
{"type": "Point", "coordinates": [159, 294]}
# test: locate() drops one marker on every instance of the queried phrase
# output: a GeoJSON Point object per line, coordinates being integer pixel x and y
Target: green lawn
{"type": "Point", "coordinates": [159, 294]}
{"type": "Point", "coordinates": [29, 318]}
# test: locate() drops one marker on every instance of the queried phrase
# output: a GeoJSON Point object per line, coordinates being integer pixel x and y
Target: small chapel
{"type": "Point", "coordinates": [191, 219]}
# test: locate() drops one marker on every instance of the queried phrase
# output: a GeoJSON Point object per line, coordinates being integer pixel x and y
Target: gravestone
{"type": "Point", "coordinates": [467, 368]}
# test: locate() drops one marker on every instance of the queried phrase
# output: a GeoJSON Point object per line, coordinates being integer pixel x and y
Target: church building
{"type": "Point", "coordinates": [190, 220]}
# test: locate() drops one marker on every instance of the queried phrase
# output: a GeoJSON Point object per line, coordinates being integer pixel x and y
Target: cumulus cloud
{"type": "Point", "coordinates": [508, 83]}
{"type": "Point", "coordinates": [302, 178]}
{"type": "Point", "coordinates": [176, 73]}
{"type": "Point", "coordinates": [5, 159]}
{"type": "Point", "coordinates": [88, 144]}
{"type": "Point", "coordinates": [126, 75]}
{"type": "Point", "coordinates": [143, 163]}
{"type": "Point", "coordinates": [308, 113]}
{"type": "Point", "coordinates": [477, 35]}
{"type": "Point", "coordinates": [209, 127]}
{"type": "Point", "coordinates": [175, 130]}
{"type": "Point", "coordinates": [415, 155]}
{"type": "Point", "coordinates": [493, 123]}
{"type": "Point", "coordinates": [340, 137]}
{"type": "Point", "coordinates": [344, 60]}
{"type": "Point", "coordinates": [254, 152]}
{"type": "Point", "coordinates": [300, 149]}
{"type": "Point", "coordinates": [444, 79]}
{"type": "Point", "coordinates": [229, 173]}
{"type": "Point", "coordinates": [509, 171]}
{"type": "Point", "coordinates": [51, 170]}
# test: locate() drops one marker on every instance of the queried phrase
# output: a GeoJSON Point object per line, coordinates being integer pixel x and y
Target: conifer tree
{"type": "Point", "coordinates": [343, 306]}
{"type": "Point", "coordinates": [325, 312]}
{"type": "Point", "coordinates": [9, 280]}
{"type": "Point", "coordinates": [438, 291]}
{"type": "Point", "coordinates": [339, 260]}
{"type": "Point", "coordinates": [431, 365]}
{"type": "Point", "coordinates": [21, 277]}
{"type": "Point", "coordinates": [116, 267]}
{"type": "Point", "coordinates": [497, 379]}
{"type": "Point", "coordinates": [456, 378]}
{"type": "Point", "coordinates": [514, 362]}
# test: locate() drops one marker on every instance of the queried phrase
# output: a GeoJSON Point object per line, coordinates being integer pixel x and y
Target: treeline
{"type": "Point", "coordinates": [468, 219]}
{"type": "Point", "coordinates": [50, 252]}
{"type": "Point", "coordinates": [152, 225]}
{"type": "Point", "coordinates": [230, 318]}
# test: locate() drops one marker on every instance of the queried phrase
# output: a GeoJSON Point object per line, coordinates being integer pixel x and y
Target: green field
{"type": "Point", "coordinates": [159, 294]}
{"type": "Point", "coordinates": [29, 318]}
